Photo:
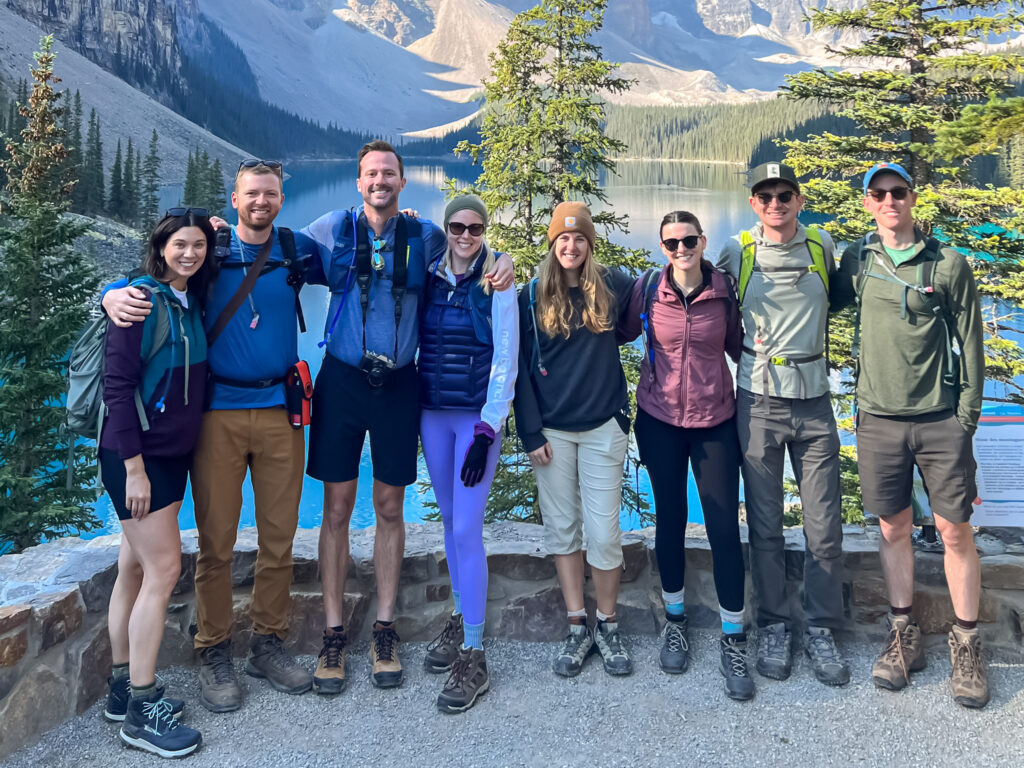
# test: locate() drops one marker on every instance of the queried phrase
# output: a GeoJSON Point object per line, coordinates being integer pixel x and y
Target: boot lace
{"type": "Point", "coordinates": [220, 664]}
{"type": "Point", "coordinates": [612, 642]}
{"type": "Point", "coordinates": [824, 649]}
{"type": "Point", "coordinates": [460, 671]}
{"type": "Point", "coordinates": [160, 711]}
{"type": "Point", "coordinates": [331, 652]}
{"type": "Point", "coordinates": [736, 658]}
{"type": "Point", "coordinates": [893, 652]}
{"type": "Point", "coordinates": [675, 640]}
{"type": "Point", "coordinates": [967, 661]}
{"type": "Point", "coordinates": [447, 637]}
{"type": "Point", "coordinates": [384, 643]}
{"type": "Point", "coordinates": [576, 645]}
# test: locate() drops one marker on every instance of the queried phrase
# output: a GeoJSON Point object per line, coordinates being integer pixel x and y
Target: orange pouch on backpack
{"type": "Point", "coordinates": [298, 394]}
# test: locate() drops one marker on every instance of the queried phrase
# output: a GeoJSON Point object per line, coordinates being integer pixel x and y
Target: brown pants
{"type": "Point", "coordinates": [232, 442]}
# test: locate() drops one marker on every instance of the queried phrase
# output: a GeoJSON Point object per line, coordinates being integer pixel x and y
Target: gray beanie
{"type": "Point", "coordinates": [465, 203]}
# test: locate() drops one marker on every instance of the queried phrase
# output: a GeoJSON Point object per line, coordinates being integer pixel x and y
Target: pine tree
{"type": "Point", "coordinates": [149, 210]}
{"type": "Point", "coordinates": [77, 154]}
{"type": "Point", "coordinates": [935, 104]}
{"type": "Point", "coordinates": [92, 171]}
{"type": "Point", "coordinates": [115, 201]}
{"type": "Point", "coordinates": [191, 191]}
{"type": "Point", "coordinates": [46, 288]}
{"type": "Point", "coordinates": [542, 142]}
{"type": "Point", "coordinates": [130, 184]}
{"type": "Point", "coordinates": [217, 200]}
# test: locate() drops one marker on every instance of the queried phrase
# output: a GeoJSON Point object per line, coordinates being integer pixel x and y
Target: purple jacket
{"type": "Point", "coordinates": [691, 385]}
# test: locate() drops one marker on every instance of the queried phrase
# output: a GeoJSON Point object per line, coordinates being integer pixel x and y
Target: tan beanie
{"type": "Point", "coordinates": [571, 217]}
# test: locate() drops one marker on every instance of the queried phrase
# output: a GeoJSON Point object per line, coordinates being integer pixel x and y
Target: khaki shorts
{"type": "Point", "coordinates": [580, 490]}
{"type": "Point", "coordinates": [888, 447]}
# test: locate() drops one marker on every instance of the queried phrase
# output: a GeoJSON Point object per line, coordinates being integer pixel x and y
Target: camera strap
{"type": "Point", "coordinates": [399, 270]}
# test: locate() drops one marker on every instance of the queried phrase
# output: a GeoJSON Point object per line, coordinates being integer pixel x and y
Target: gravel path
{"type": "Point", "coordinates": [530, 717]}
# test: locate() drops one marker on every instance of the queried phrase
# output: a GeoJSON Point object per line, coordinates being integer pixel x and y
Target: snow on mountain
{"type": "Point", "coordinates": [123, 111]}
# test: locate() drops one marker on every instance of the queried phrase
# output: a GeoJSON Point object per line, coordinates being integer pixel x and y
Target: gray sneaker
{"type": "Point", "coordinates": [739, 685]}
{"type": "Point", "coordinates": [675, 647]}
{"type": "Point", "coordinates": [219, 689]}
{"type": "Point", "coordinates": [268, 659]}
{"type": "Point", "coordinates": [774, 651]}
{"type": "Point", "coordinates": [577, 646]}
{"type": "Point", "coordinates": [827, 663]}
{"type": "Point", "coordinates": [609, 643]}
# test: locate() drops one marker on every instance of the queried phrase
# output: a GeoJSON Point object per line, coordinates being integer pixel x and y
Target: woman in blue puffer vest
{"type": "Point", "coordinates": [469, 345]}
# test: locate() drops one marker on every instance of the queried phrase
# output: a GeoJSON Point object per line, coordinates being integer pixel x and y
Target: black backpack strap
{"type": "Point", "coordinates": [363, 268]}
{"type": "Point", "coordinates": [648, 287]}
{"type": "Point", "coordinates": [222, 245]}
{"type": "Point", "coordinates": [296, 270]}
{"type": "Point", "coordinates": [955, 375]}
{"type": "Point", "coordinates": [532, 288]}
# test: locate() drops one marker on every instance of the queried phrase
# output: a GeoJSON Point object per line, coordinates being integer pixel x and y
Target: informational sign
{"type": "Point", "coordinates": [999, 451]}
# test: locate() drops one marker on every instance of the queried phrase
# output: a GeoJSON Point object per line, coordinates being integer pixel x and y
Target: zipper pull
{"type": "Point", "coordinates": [255, 321]}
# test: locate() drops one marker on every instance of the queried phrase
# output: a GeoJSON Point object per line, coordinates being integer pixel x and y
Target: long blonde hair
{"type": "Point", "coordinates": [554, 309]}
{"type": "Point", "coordinates": [488, 265]}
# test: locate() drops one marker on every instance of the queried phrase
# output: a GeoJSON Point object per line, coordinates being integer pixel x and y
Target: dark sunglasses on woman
{"type": "Point", "coordinates": [457, 228]}
{"type": "Point", "coordinates": [690, 242]}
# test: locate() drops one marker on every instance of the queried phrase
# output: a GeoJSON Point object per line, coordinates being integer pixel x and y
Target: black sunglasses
{"type": "Point", "coordinates": [253, 162]}
{"type": "Point", "coordinates": [176, 212]}
{"type": "Point", "coordinates": [457, 228]}
{"type": "Point", "coordinates": [898, 193]}
{"type": "Point", "coordinates": [765, 198]}
{"type": "Point", "coordinates": [690, 241]}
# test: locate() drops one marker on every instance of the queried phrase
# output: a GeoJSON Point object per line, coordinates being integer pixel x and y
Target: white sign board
{"type": "Point", "coordinates": [999, 451]}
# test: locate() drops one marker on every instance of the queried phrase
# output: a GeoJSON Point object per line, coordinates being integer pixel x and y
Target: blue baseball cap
{"type": "Point", "coordinates": [896, 168]}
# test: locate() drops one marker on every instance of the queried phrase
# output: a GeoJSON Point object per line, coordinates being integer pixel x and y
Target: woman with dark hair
{"type": "Point", "coordinates": [571, 413]}
{"type": "Point", "coordinates": [686, 414]}
{"type": "Point", "coordinates": [469, 350]}
{"type": "Point", "coordinates": [153, 388]}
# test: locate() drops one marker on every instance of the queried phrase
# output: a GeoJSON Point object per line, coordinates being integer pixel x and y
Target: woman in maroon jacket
{"type": "Point", "coordinates": [689, 317]}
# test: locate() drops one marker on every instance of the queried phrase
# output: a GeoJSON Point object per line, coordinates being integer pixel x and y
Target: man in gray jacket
{"type": "Point", "coordinates": [783, 403]}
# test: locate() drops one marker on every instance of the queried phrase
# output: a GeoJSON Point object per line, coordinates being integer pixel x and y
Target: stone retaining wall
{"type": "Point", "coordinates": [55, 655]}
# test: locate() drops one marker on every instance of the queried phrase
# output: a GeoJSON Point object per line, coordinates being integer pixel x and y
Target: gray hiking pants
{"type": "Point", "coordinates": [808, 429]}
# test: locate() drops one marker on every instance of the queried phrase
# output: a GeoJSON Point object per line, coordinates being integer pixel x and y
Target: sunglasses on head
{"type": "Point", "coordinates": [176, 212]}
{"type": "Point", "coordinates": [457, 228]}
{"type": "Point", "coordinates": [253, 162]}
{"type": "Point", "coordinates": [690, 241]}
{"type": "Point", "coordinates": [898, 193]}
{"type": "Point", "coordinates": [765, 198]}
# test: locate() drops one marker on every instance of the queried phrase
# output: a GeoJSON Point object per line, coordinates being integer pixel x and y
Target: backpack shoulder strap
{"type": "Point", "coordinates": [222, 245]}
{"type": "Point", "coordinates": [532, 293]}
{"type": "Point", "coordinates": [817, 249]}
{"type": "Point", "coordinates": [296, 270]}
{"type": "Point", "coordinates": [748, 254]}
{"type": "Point", "coordinates": [648, 289]}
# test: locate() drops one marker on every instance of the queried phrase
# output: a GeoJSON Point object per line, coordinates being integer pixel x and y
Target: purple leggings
{"type": "Point", "coordinates": [446, 436]}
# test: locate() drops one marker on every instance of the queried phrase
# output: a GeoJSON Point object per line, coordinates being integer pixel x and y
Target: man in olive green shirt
{"type": "Point", "coordinates": [921, 371]}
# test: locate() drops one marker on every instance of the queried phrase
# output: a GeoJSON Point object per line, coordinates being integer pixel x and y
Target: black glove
{"type": "Point", "coordinates": [476, 460]}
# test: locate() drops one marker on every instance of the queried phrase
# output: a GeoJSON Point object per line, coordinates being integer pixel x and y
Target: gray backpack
{"type": "Point", "coordinates": [85, 408]}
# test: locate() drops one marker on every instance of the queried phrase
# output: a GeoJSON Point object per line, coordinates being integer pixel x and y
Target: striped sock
{"type": "Point", "coordinates": [457, 599]}
{"type": "Point", "coordinates": [732, 621]}
{"type": "Point", "coordinates": [474, 635]}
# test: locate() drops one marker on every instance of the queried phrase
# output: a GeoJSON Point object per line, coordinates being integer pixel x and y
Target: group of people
{"type": "Point", "coordinates": [426, 342]}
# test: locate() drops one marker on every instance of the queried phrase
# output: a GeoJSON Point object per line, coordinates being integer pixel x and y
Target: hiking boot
{"type": "Point", "coordinates": [329, 677]}
{"type": "Point", "coordinates": [577, 646]}
{"type": "Point", "coordinates": [609, 643]}
{"type": "Point", "coordinates": [386, 671]}
{"type": "Point", "coordinates": [970, 680]}
{"type": "Point", "coordinates": [827, 663]}
{"type": "Point", "coordinates": [467, 680]}
{"type": "Point", "coordinates": [739, 685]}
{"type": "Point", "coordinates": [903, 654]}
{"type": "Point", "coordinates": [219, 688]}
{"type": "Point", "coordinates": [675, 647]}
{"type": "Point", "coordinates": [774, 652]}
{"type": "Point", "coordinates": [267, 659]}
{"type": "Point", "coordinates": [444, 649]}
{"type": "Point", "coordinates": [121, 691]}
{"type": "Point", "coordinates": [149, 725]}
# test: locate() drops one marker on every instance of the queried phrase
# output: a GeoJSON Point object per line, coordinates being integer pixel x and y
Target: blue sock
{"type": "Point", "coordinates": [675, 610]}
{"type": "Point", "coordinates": [732, 621]}
{"type": "Point", "coordinates": [674, 603]}
{"type": "Point", "coordinates": [457, 598]}
{"type": "Point", "coordinates": [474, 635]}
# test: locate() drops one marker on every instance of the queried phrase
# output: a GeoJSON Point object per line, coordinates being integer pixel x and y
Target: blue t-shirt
{"type": "Point", "coordinates": [266, 351]}
{"type": "Point", "coordinates": [334, 266]}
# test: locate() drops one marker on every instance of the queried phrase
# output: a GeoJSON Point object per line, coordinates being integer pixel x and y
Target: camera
{"type": "Point", "coordinates": [377, 368]}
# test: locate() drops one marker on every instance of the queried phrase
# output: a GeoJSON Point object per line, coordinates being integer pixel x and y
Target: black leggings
{"type": "Point", "coordinates": [715, 454]}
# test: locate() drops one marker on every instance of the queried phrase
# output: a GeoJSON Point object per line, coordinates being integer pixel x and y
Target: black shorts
{"type": "Point", "coordinates": [167, 477]}
{"type": "Point", "coordinates": [346, 407]}
{"type": "Point", "coordinates": [888, 447]}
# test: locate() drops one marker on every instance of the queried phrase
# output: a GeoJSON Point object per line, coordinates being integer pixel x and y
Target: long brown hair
{"type": "Point", "coordinates": [554, 310]}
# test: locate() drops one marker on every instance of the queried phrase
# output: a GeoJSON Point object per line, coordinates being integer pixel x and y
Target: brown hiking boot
{"type": "Point", "coordinates": [902, 655]}
{"type": "Point", "coordinates": [970, 680]}
{"type": "Point", "coordinates": [467, 681]}
{"type": "Point", "coordinates": [268, 660]}
{"type": "Point", "coordinates": [387, 669]}
{"type": "Point", "coordinates": [329, 677]}
{"type": "Point", "coordinates": [444, 649]}
{"type": "Point", "coordinates": [219, 690]}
